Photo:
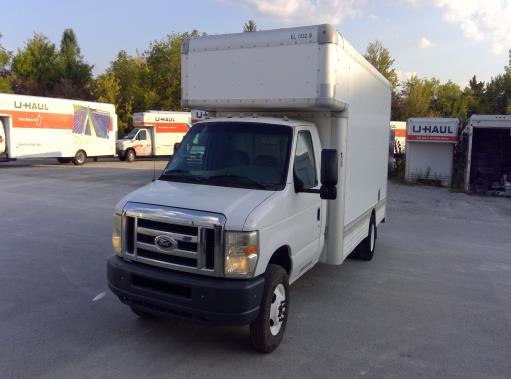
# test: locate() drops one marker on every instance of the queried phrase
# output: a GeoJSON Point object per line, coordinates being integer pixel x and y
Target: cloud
{"type": "Point", "coordinates": [424, 43]}
{"type": "Point", "coordinates": [303, 12]}
{"type": "Point", "coordinates": [478, 19]}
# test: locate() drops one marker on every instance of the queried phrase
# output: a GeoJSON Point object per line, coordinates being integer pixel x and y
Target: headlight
{"type": "Point", "coordinates": [116, 234]}
{"type": "Point", "coordinates": [241, 253]}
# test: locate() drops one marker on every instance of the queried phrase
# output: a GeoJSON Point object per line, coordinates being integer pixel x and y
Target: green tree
{"type": "Point", "coordinates": [476, 90]}
{"type": "Point", "coordinates": [107, 88]}
{"type": "Point", "coordinates": [450, 101]}
{"type": "Point", "coordinates": [417, 96]}
{"type": "Point", "coordinates": [496, 98]}
{"type": "Point", "coordinates": [164, 71]}
{"type": "Point", "coordinates": [379, 56]}
{"type": "Point", "coordinates": [35, 67]}
{"type": "Point", "coordinates": [5, 75]}
{"type": "Point", "coordinates": [129, 74]}
{"type": "Point", "coordinates": [250, 26]}
{"type": "Point", "coordinates": [74, 74]}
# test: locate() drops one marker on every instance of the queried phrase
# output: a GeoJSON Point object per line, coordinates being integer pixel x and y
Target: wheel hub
{"type": "Point", "coordinates": [278, 309]}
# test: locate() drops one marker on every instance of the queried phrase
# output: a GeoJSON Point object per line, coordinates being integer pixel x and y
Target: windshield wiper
{"type": "Point", "coordinates": [238, 179]}
{"type": "Point", "coordinates": [181, 175]}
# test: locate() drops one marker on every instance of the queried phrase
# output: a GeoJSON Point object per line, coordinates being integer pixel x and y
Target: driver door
{"type": "Point", "coordinates": [144, 139]}
{"type": "Point", "coordinates": [3, 144]}
{"type": "Point", "coordinates": [307, 223]}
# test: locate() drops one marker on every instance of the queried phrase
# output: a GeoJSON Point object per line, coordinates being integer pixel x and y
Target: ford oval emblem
{"type": "Point", "coordinates": [165, 243]}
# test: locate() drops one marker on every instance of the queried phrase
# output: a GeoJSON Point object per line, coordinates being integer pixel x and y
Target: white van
{"type": "Point", "coordinates": [290, 169]}
{"type": "Point", "coordinates": [155, 134]}
{"type": "Point", "coordinates": [43, 127]}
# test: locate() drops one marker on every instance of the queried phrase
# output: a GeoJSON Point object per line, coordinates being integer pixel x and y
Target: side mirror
{"type": "Point", "coordinates": [176, 146]}
{"type": "Point", "coordinates": [329, 174]}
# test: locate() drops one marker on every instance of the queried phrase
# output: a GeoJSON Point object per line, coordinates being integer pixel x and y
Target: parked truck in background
{"type": "Point", "coordinates": [154, 134]}
{"type": "Point", "coordinates": [43, 127]}
{"type": "Point", "coordinates": [288, 170]}
{"type": "Point", "coordinates": [198, 115]}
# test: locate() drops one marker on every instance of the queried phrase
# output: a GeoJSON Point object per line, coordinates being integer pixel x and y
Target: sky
{"type": "Point", "coordinates": [446, 39]}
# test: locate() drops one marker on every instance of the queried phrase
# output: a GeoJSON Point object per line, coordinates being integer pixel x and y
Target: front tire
{"type": "Point", "coordinates": [130, 155]}
{"type": "Point", "coordinates": [80, 158]}
{"type": "Point", "coordinates": [267, 331]}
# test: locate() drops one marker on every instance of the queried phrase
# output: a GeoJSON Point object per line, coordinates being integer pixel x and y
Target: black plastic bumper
{"type": "Point", "coordinates": [180, 295]}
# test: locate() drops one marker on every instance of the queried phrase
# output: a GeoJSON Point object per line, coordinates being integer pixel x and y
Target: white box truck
{"type": "Point", "coordinates": [154, 134]}
{"type": "Point", "coordinates": [289, 170]}
{"type": "Point", "coordinates": [43, 127]}
{"type": "Point", "coordinates": [488, 166]}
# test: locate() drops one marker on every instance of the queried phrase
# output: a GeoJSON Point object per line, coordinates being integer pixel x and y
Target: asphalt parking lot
{"type": "Point", "coordinates": [434, 302]}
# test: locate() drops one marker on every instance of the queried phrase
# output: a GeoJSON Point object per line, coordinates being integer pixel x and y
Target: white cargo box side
{"type": "Point", "coordinates": [291, 68]}
{"type": "Point", "coordinates": [305, 69]}
{"type": "Point", "coordinates": [43, 127]}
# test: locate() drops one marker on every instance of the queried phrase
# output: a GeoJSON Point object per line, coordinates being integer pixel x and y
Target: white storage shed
{"type": "Point", "coordinates": [429, 151]}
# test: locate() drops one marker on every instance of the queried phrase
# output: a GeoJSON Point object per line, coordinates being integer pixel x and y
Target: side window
{"type": "Point", "coordinates": [305, 163]}
{"type": "Point", "coordinates": [142, 135]}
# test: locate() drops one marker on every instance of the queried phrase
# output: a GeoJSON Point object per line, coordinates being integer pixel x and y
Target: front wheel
{"type": "Point", "coordinates": [267, 331]}
{"type": "Point", "coordinates": [80, 158]}
{"type": "Point", "coordinates": [130, 155]}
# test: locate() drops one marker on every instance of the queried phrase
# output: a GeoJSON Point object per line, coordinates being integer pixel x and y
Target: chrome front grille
{"type": "Point", "coordinates": [196, 238]}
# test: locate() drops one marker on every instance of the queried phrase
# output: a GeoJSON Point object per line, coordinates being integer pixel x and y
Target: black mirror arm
{"type": "Point", "coordinates": [309, 190]}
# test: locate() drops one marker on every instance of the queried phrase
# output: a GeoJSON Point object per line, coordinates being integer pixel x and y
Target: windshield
{"type": "Point", "coordinates": [232, 154]}
{"type": "Point", "coordinates": [132, 134]}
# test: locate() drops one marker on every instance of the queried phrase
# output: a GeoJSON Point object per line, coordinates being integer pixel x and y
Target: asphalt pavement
{"type": "Point", "coordinates": [434, 302]}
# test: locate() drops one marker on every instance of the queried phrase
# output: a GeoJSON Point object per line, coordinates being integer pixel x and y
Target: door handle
{"type": "Point", "coordinates": [319, 214]}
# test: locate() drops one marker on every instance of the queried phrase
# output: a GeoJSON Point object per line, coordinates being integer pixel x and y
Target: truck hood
{"type": "Point", "coordinates": [234, 203]}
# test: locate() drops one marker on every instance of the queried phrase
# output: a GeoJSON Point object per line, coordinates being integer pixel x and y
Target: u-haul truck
{"type": "Point", "coordinates": [288, 170]}
{"type": "Point", "coordinates": [154, 134]}
{"type": "Point", "coordinates": [43, 127]}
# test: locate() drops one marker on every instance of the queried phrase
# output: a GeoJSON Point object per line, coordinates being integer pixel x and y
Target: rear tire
{"type": "Point", "coordinates": [365, 251]}
{"type": "Point", "coordinates": [267, 331]}
{"type": "Point", "coordinates": [122, 157]}
{"type": "Point", "coordinates": [64, 160]}
{"type": "Point", "coordinates": [130, 155]}
{"type": "Point", "coordinates": [80, 158]}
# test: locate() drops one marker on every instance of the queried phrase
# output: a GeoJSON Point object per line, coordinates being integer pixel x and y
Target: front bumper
{"type": "Point", "coordinates": [173, 294]}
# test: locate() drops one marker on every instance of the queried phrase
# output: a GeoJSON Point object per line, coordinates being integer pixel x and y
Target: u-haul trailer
{"type": "Point", "coordinates": [290, 169]}
{"type": "Point", "coordinates": [154, 134]}
{"type": "Point", "coordinates": [43, 127]}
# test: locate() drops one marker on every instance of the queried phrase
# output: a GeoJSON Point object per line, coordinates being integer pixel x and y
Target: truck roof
{"type": "Point", "coordinates": [490, 121]}
{"type": "Point", "coordinates": [303, 68]}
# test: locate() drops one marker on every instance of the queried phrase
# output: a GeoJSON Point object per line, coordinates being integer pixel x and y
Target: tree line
{"type": "Point", "coordinates": [151, 79]}
{"type": "Point", "coordinates": [423, 97]}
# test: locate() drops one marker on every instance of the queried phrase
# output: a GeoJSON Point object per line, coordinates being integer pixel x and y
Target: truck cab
{"type": "Point", "coordinates": [238, 196]}
{"type": "Point", "coordinates": [138, 142]}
